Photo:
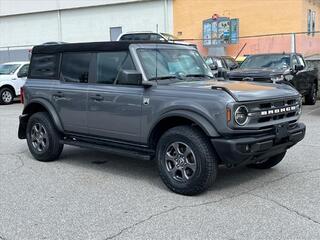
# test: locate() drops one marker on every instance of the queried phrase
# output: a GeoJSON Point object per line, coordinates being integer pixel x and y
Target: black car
{"type": "Point", "coordinates": [217, 65]}
{"type": "Point", "coordinates": [280, 68]}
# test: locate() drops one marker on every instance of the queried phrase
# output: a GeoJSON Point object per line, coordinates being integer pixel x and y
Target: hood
{"type": "Point", "coordinates": [244, 91]}
{"type": "Point", "coordinates": [258, 73]}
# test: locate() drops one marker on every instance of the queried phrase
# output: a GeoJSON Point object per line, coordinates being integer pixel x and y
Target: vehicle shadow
{"type": "Point", "coordinates": [147, 170]}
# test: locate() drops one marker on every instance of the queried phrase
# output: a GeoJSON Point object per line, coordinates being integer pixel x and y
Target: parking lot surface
{"type": "Point", "coordinates": [95, 195]}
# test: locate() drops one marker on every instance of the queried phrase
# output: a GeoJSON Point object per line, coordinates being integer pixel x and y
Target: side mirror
{"type": "Point", "coordinates": [213, 66]}
{"type": "Point", "coordinates": [298, 68]}
{"type": "Point", "coordinates": [129, 77]}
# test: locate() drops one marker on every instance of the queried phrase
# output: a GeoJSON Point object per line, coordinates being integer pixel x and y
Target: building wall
{"type": "Point", "coordinates": [81, 24]}
{"type": "Point", "coordinates": [257, 17]}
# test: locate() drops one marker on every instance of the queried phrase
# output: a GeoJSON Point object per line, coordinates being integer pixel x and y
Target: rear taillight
{"type": "Point", "coordinates": [21, 95]}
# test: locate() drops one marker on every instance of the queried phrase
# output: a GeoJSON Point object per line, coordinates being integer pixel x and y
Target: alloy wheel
{"type": "Point", "coordinates": [180, 161]}
{"type": "Point", "coordinates": [6, 96]}
{"type": "Point", "coordinates": [39, 137]}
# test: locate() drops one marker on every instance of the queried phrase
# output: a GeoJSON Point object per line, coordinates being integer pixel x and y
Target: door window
{"type": "Point", "coordinates": [75, 67]}
{"type": "Point", "coordinates": [110, 63]}
{"type": "Point", "coordinates": [301, 61]}
{"type": "Point", "coordinates": [23, 72]}
{"type": "Point", "coordinates": [294, 61]}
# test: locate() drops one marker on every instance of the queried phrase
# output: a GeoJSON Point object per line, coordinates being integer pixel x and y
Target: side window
{"type": "Point", "coordinates": [294, 61]}
{"type": "Point", "coordinates": [75, 67]}
{"type": "Point", "coordinates": [301, 61]}
{"type": "Point", "coordinates": [44, 66]}
{"type": "Point", "coordinates": [110, 63]}
{"type": "Point", "coordinates": [209, 61]}
{"type": "Point", "coordinates": [23, 72]}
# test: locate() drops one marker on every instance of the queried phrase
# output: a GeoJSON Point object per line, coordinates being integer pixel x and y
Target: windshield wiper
{"type": "Point", "coordinates": [161, 78]}
{"type": "Point", "coordinates": [198, 75]}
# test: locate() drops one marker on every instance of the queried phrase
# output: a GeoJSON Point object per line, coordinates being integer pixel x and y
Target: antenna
{"type": "Point", "coordinates": [157, 63]}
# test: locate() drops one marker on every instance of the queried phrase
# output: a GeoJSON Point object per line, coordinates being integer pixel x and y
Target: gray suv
{"type": "Point", "coordinates": [155, 101]}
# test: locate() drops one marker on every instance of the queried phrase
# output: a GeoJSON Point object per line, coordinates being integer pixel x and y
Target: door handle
{"type": "Point", "coordinates": [58, 95]}
{"type": "Point", "coordinates": [97, 98]}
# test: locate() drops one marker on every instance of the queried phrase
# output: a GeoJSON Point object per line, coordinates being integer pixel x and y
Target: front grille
{"type": "Point", "coordinates": [264, 114]}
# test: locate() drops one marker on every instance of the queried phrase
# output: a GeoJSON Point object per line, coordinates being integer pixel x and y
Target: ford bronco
{"type": "Point", "coordinates": [159, 101]}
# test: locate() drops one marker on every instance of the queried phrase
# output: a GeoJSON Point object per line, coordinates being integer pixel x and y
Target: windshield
{"type": "Point", "coordinates": [267, 61]}
{"type": "Point", "coordinates": [6, 69]}
{"type": "Point", "coordinates": [172, 63]}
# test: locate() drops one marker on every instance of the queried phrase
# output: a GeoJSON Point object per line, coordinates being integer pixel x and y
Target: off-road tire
{"type": "Point", "coordinates": [271, 162]}
{"type": "Point", "coordinates": [6, 91]}
{"type": "Point", "coordinates": [206, 160]}
{"type": "Point", "coordinates": [54, 147]}
{"type": "Point", "coordinates": [311, 98]}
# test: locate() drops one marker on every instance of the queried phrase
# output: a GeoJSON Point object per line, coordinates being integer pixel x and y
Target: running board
{"type": "Point", "coordinates": [144, 154]}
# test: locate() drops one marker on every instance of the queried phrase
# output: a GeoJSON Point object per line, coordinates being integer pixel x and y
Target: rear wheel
{"type": "Point", "coordinates": [6, 96]}
{"type": "Point", "coordinates": [269, 163]}
{"type": "Point", "coordinates": [42, 138]}
{"type": "Point", "coordinates": [186, 161]}
{"type": "Point", "coordinates": [311, 98]}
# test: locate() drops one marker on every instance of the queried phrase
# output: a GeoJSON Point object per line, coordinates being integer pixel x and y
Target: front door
{"type": "Point", "coordinates": [114, 111]}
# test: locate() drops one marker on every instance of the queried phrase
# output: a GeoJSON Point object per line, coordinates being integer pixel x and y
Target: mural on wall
{"type": "Point", "coordinates": [220, 31]}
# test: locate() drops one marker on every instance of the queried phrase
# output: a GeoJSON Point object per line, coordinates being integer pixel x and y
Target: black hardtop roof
{"type": "Point", "coordinates": [92, 46]}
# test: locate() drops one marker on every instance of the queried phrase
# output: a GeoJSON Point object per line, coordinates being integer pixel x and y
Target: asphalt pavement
{"type": "Point", "coordinates": [95, 195]}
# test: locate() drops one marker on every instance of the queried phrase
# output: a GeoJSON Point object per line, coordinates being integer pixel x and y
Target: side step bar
{"type": "Point", "coordinates": [145, 154]}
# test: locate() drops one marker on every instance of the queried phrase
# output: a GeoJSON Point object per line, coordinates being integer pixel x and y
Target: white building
{"type": "Point", "coordinates": [25, 23]}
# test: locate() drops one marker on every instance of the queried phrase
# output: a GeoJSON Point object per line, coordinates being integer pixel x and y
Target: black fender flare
{"type": "Point", "coordinates": [28, 109]}
{"type": "Point", "coordinates": [197, 118]}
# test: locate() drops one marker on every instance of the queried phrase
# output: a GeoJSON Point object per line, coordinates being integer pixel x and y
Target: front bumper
{"type": "Point", "coordinates": [245, 150]}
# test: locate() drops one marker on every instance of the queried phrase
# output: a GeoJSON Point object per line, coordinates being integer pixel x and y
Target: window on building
{"type": "Point", "coordinates": [110, 63]}
{"type": "Point", "coordinates": [44, 66]}
{"type": "Point", "coordinates": [311, 22]}
{"type": "Point", "coordinates": [75, 67]}
{"type": "Point", "coordinates": [115, 33]}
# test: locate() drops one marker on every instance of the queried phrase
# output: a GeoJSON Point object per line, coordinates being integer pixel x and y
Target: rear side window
{"type": "Point", "coordinates": [44, 66]}
{"type": "Point", "coordinates": [75, 67]}
{"type": "Point", "coordinates": [109, 64]}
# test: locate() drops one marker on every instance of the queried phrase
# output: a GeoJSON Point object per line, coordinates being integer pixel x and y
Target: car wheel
{"type": "Point", "coordinates": [269, 163]}
{"type": "Point", "coordinates": [6, 96]}
{"type": "Point", "coordinates": [186, 161]}
{"type": "Point", "coordinates": [311, 98]}
{"type": "Point", "coordinates": [42, 137]}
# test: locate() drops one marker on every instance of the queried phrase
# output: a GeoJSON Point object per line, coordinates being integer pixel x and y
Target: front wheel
{"type": "Point", "coordinates": [186, 161]}
{"type": "Point", "coordinates": [42, 137]}
{"type": "Point", "coordinates": [6, 96]}
{"type": "Point", "coordinates": [268, 163]}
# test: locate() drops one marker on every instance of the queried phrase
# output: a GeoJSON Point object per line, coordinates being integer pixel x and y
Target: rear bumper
{"type": "Point", "coordinates": [244, 150]}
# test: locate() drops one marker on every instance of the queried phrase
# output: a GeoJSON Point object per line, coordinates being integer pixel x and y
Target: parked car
{"type": "Point", "coordinates": [12, 78]}
{"type": "Point", "coordinates": [155, 101]}
{"type": "Point", "coordinates": [288, 68]}
{"type": "Point", "coordinates": [218, 66]}
{"type": "Point", "coordinates": [231, 62]}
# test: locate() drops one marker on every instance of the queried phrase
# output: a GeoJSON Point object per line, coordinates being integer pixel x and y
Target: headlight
{"type": "Point", "coordinates": [277, 78]}
{"type": "Point", "coordinates": [241, 115]}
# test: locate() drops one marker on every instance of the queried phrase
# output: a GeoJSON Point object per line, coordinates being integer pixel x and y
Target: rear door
{"type": "Point", "coordinates": [114, 111]}
{"type": "Point", "coordinates": [70, 94]}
